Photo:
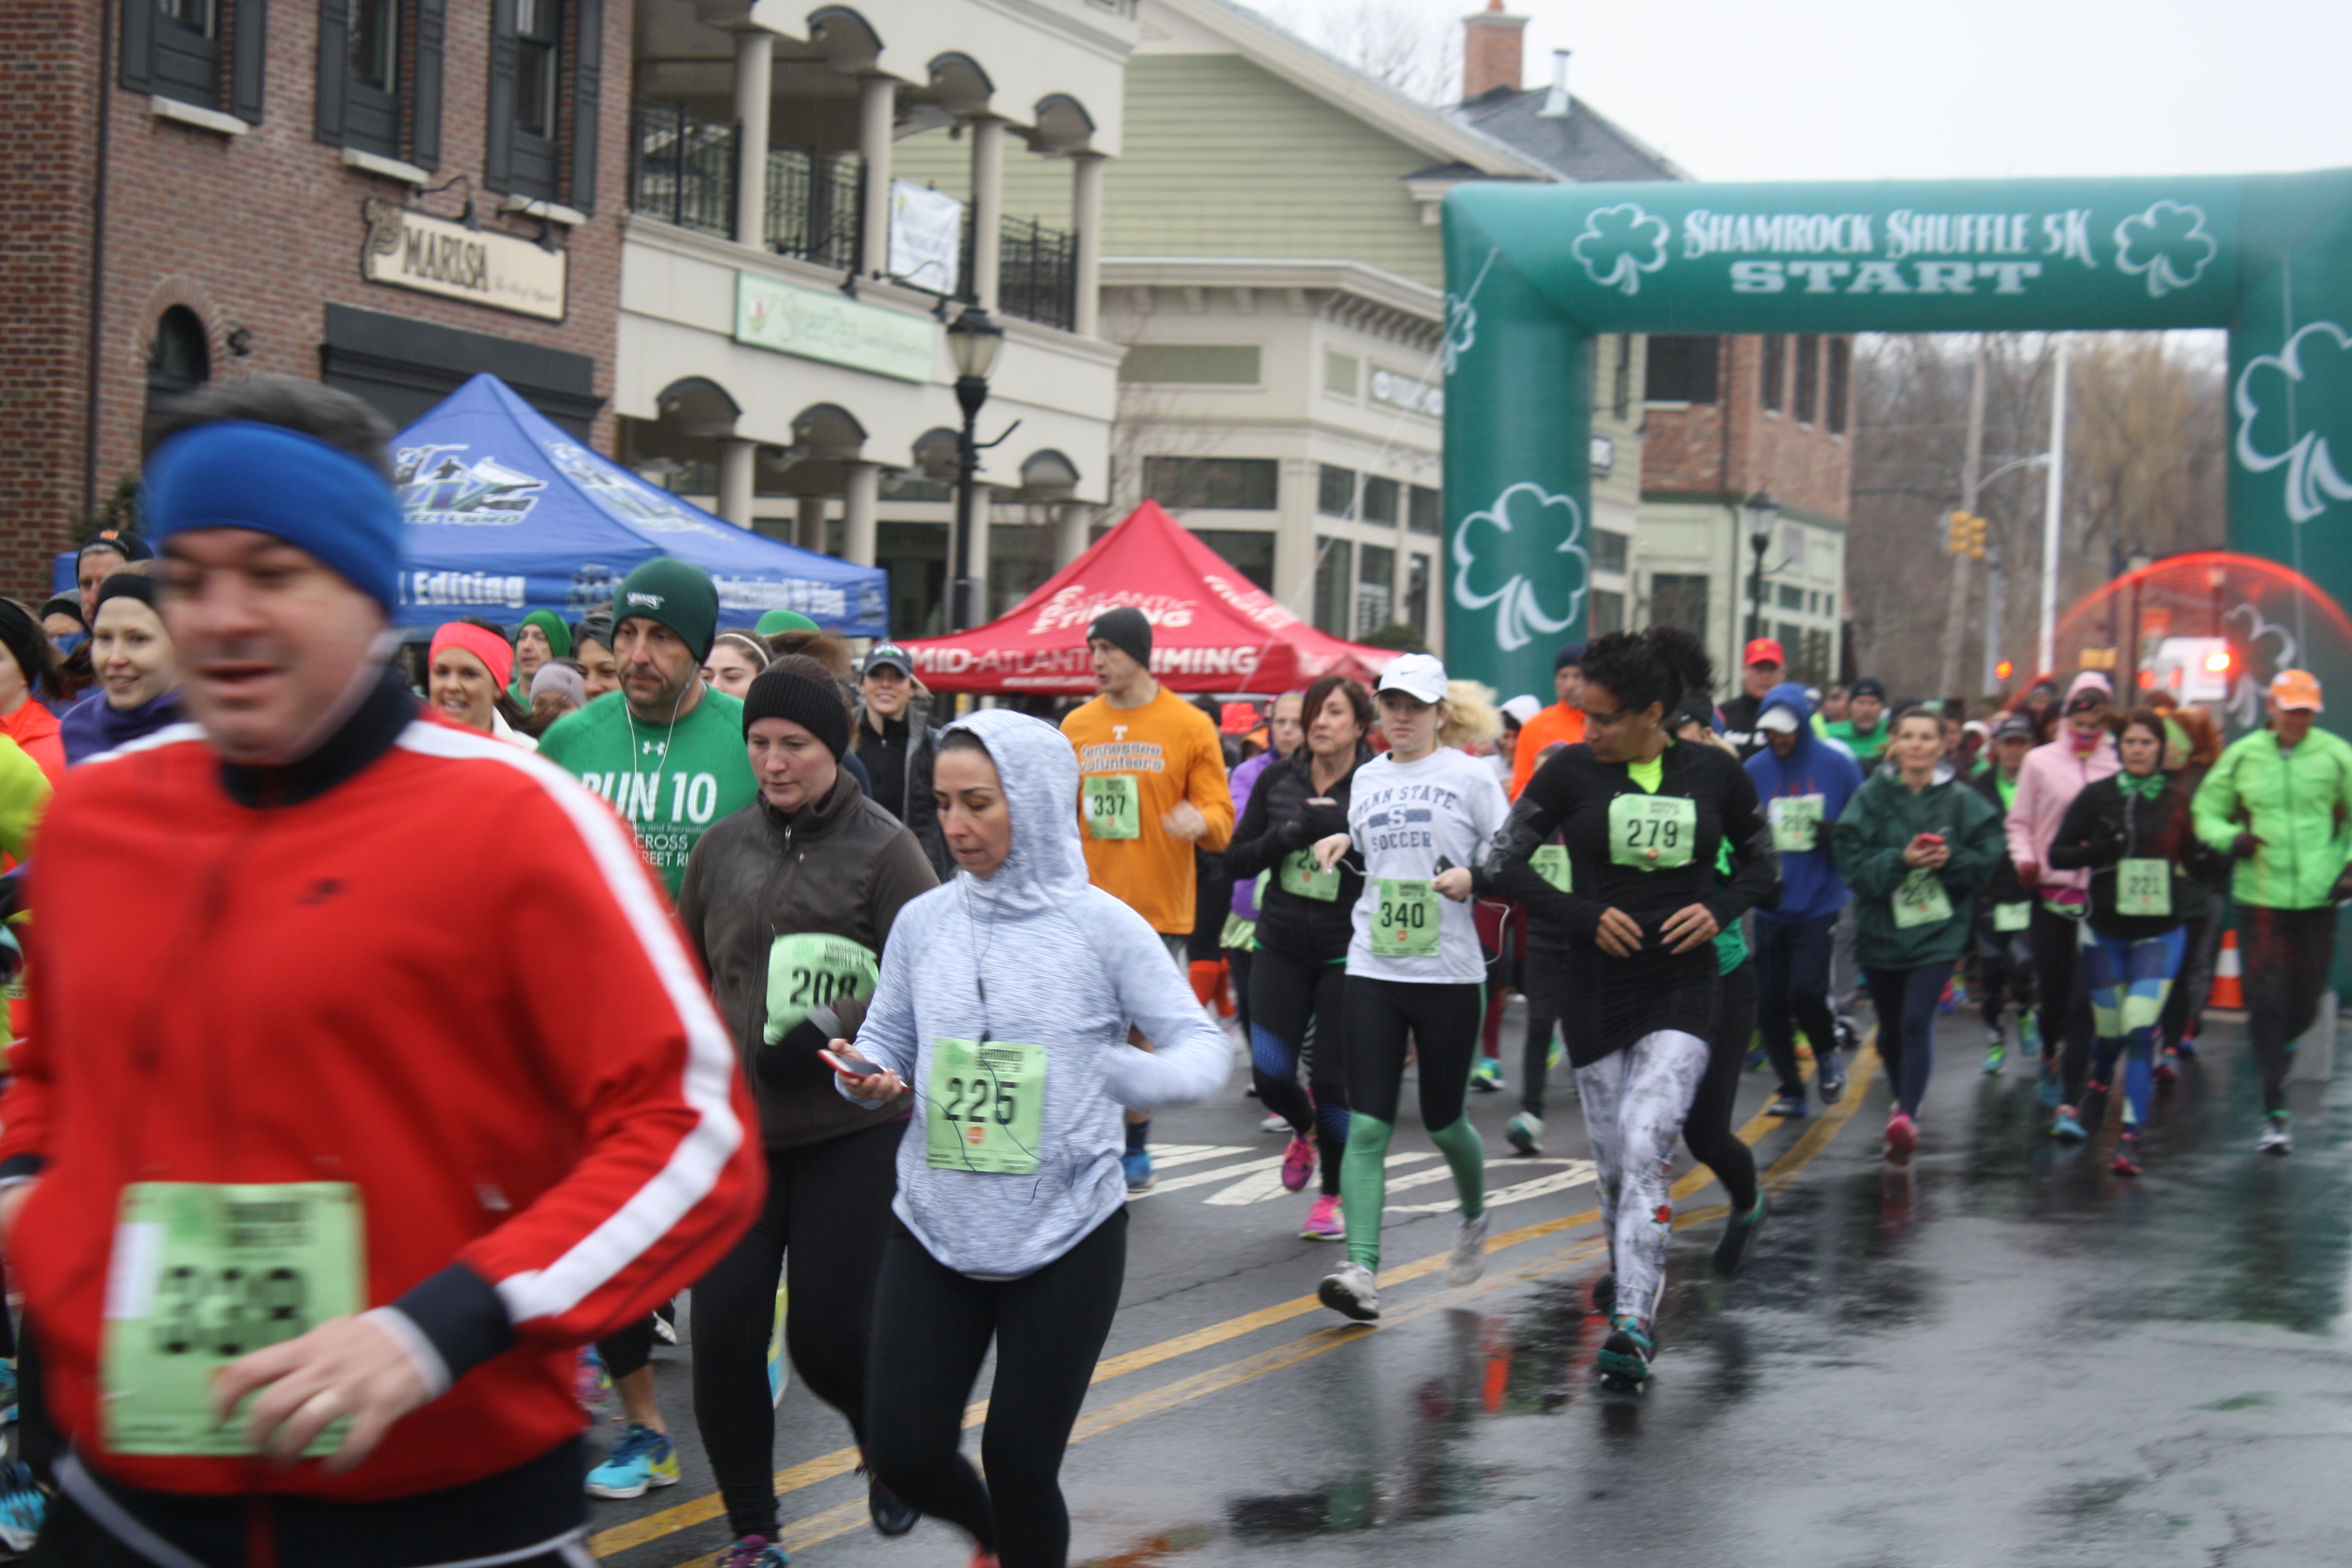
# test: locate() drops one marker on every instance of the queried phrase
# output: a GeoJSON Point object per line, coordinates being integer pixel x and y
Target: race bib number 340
{"type": "Point", "coordinates": [203, 1273]}
{"type": "Point", "coordinates": [1406, 919]}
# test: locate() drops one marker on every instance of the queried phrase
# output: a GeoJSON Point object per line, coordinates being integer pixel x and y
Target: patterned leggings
{"type": "Point", "coordinates": [1635, 1103]}
{"type": "Point", "coordinates": [2128, 981]}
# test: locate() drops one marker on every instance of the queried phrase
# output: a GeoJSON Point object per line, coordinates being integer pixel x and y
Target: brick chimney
{"type": "Point", "coordinates": [1491, 41]}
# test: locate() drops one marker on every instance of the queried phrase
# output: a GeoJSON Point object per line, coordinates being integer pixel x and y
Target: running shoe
{"type": "Point", "coordinates": [2126, 1160]}
{"type": "Point", "coordinates": [665, 1321]}
{"type": "Point", "coordinates": [1557, 1049]}
{"type": "Point", "coordinates": [1604, 1294]}
{"type": "Point", "coordinates": [1830, 1081]}
{"type": "Point", "coordinates": [893, 1515]}
{"type": "Point", "coordinates": [1351, 1291]}
{"type": "Point", "coordinates": [1848, 1043]}
{"type": "Point", "coordinates": [1486, 1078]}
{"type": "Point", "coordinates": [1996, 1050]}
{"type": "Point", "coordinates": [1275, 1124]}
{"type": "Point", "coordinates": [1324, 1222]}
{"type": "Point", "coordinates": [2187, 1045]}
{"type": "Point", "coordinates": [1298, 1163]}
{"type": "Point", "coordinates": [642, 1459]}
{"type": "Point", "coordinates": [1525, 1131]}
{"type": "Point", "coordinates": [22, 1505]}
{"type": "Point", "coordinates": [1737, 1233]}
{"type": "Point", "coordinates": [2167, 1071]}
{"type": "Point", "coordinates": [2029, 1035]}
{"type": "Point", "coordinates": [7, 1391]}
{"type": "Point", "coordinates": [2276, 1137]}
{"type": "Point", "coordinates": [2054, 1083]}
{"type": "Point", "coordinates": [780, 1367]}
{"type": "Point", "coordinates": [755, 1551]}
{"type": "Point", "coordinates": [1756, 1060]}
{"type": "Point", "coordinates": [1626, 1354]}
{"type": "Point", "coordinates": [2066, 1126]}
{"type": "Point", "coordinates": [1792, 1106]}
{"type": "Point", "coordinates": [1902, 1136]}
{"type": "Point", "coordinates": [1467, 1261]}
{"type": "Point", "coordinates": [590, 1384]}
{"type": "Point", "coordinates": [1136, 1163]}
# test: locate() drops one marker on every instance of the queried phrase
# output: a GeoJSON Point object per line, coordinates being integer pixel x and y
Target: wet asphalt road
{"type": "Point", "coordinates": [2003, 1356]}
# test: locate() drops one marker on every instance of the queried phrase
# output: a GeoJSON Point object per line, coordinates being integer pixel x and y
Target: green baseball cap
{"type": "Point", "coordinates": [776, 621]}
{"type": "Point", "coordinates": [680, 596]}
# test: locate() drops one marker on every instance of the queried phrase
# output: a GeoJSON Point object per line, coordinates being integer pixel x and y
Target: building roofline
{"type": "Point", "coordinates": [1369, 283]}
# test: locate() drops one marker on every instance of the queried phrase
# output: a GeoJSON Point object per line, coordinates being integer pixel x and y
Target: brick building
{"type": "Point", "coordinates": [385, 194]}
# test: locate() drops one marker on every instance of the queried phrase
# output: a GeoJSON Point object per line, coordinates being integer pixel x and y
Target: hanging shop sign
{"type": "Point", "coordinates": [819, 324]}
{"type": "Point", "coordinates": [410, 249]}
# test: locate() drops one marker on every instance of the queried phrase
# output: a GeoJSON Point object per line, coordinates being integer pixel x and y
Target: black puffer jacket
{"type": "Point", "coordinates": [1277, 824]}
{"type": "Point", "coordinates": [760, 879]}
{"type": "Point", "coordinates": [2104, 828]}
{"type": "Point", "coordinates": [920, 808]}
{"type": "Point", "coordinates": [2004, 888]}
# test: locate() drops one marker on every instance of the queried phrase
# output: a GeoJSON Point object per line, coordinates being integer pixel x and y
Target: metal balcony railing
{"type": "Point", "coordinates": [816, 203]}
{"type": "Point", "coordinates": [1037, 271]}
{"type": "Point", "coordinates": [682, 169]}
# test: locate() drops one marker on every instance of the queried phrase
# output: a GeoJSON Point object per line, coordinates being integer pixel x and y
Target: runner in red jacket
{"type": "Point", "coordinates": [338, 1138]}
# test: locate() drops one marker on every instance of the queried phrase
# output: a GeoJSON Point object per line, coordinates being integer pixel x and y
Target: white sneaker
{"type": "Point", "coordinates": [1351, 1291]}
{"type": "Point", "coordinates": [1275, 1124]}
{"type": "Point", "coordinates": [1467, 1261]}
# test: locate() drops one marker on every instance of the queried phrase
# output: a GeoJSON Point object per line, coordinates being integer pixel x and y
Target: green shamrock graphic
{"type": "Point", "coordinates": [1619, 244]}
{"type": "Point", "coordinates": [1547, 528]}
{"type": "Point", "coordinates": [2291, 411]}
{"type": "Point", "coordinates": [2167, 244]}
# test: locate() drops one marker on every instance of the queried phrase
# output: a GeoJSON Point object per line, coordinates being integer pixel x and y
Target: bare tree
{"type": "Point", "coordinates": [1411, 46]}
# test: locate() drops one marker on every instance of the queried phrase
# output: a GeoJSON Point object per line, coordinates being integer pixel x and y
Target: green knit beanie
{"type": "Point", "coordinates": [776, 621]}
{"type": "Point", "coordinates": [558, 634]}
{"type": "Point", "coordinates": [680, 596]}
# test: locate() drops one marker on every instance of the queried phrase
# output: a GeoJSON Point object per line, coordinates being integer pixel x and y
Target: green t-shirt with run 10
{"type": "Point", "coordinates": [671, 781]}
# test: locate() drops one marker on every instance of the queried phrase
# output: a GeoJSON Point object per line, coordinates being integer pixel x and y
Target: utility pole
{"type": "Point", "coordinates": [1948, 681]}
{"type": "Point", "coordinates": [2053, 504]}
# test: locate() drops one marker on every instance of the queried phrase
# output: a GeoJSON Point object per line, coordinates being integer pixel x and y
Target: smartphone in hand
{"type": "Point", "coordinates": [850, 1066]}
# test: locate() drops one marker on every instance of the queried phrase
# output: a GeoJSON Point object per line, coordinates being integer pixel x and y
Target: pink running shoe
{"type": "Point", "coordinates": [1298, 1163]}
{"type": "Point", "coordinates": [1902, 1136]}
{"type": "Point", "coordinates": [1323, 1222]}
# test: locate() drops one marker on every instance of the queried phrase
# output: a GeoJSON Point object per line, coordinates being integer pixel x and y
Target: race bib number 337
{"type": "Point", "coordinates": [203, 1273]}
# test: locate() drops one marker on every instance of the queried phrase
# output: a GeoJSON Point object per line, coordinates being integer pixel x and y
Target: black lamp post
{"type": "Point", "coordinates": [1763, 513]}
{"type": "Point", "coordinates": [974, 338]}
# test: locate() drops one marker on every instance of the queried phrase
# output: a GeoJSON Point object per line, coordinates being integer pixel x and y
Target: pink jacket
{"type": "Point", "coordinates": [2046, 785]}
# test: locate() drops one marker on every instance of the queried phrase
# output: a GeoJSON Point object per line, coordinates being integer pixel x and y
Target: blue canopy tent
{"type": "Point", "coordinates": [507, 513]}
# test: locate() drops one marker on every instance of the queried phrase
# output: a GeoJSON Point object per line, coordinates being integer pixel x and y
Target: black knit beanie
{"type": "Point", "coordinates": [1125, 629]}
{"type": "Point", "coordinates": [800, 688]}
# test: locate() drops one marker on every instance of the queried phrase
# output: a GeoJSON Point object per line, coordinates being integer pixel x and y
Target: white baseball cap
{"type": "Point", "coordinates": [1416, 675]}
{"type": "Point", "coordinates": [1780, 721]}
{"type": "Point", "coordinates": [1523, 707]}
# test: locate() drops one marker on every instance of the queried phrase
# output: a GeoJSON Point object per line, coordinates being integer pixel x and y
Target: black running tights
{"type": "Point", "coordinates": [1285, 996]}
{"type": "Point", "coordinates": [827, 1212]}
{"type": "Point", "coordinates": [932, 1328]}
{"type": "Point", "coordinates": [1708, 1128]}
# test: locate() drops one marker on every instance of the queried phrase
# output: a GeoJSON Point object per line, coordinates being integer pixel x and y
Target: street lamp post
{"type": "Point", "coordinates": [1763, 512]}
{"type": "Point", "coordinates": [974, 338]}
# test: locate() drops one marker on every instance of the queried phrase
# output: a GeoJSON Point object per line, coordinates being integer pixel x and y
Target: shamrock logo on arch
{"type": "Point", "coordinates": [1461, 329]}
{"type": "Point", "coordinates": [1619, 244]}
{"type": "Point", "coordinates": [2167, 244]}
{"type": "Point", "coordinates": [1525, 526]}
{"type": "Point", "coordinates": [2295, 410]}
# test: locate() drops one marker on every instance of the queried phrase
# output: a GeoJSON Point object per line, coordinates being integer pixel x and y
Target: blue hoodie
{"type": "Point", "coordinates": [1809, 885]}
{"type": "Point", "coordinates": [1033, 953]}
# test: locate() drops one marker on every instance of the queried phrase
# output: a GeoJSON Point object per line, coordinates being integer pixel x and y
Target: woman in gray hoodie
{"type": "Point", "coordinates": [1006, 1000]}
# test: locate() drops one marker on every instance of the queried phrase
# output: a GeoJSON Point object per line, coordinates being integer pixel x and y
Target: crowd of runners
{"type": "Point", "coordinates": [844, 1020]}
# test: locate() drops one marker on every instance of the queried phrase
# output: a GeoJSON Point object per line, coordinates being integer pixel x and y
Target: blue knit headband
{"type": "Point", "coordinates": [235, 473]}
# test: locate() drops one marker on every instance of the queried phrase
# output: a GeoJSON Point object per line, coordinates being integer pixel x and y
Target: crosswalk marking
{"type": "Point", "coordinates": [1266, 1185]}
{"type": "Point", "coordinates": [1578, 1172]}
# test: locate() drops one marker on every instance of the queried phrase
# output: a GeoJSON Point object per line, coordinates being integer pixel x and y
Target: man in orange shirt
{"type": "Point", "coordinates": [1151, 788]}
{"type": "Point", "coordinates": [1562, 724]}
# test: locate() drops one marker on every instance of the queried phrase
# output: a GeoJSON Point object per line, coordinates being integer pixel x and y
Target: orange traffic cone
{"type": "Point", "coordinates": [2228, 975]}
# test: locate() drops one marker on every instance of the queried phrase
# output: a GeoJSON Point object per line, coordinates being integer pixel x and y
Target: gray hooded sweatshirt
{"type": "Point", "coordinates": [1038, 955]}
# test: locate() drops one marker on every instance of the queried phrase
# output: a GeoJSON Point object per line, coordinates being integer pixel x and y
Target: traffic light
{"type": "Point", "coordinates": [1968, 536]}
{"type": "Point", "coordinates": [2003, 670]}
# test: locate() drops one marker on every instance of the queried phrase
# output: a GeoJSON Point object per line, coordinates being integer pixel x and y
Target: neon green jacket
{"type": "Point", "coordinates": [24, 795]}
{"type": "Point", "coordinates": [2299, 805]}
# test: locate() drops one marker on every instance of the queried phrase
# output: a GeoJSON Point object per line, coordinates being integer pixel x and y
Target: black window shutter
{"type": "Point", "coordinates": [587, 85]}
{"type": "Point", "coordinates": [1702, 369]}
{"type": "Point", "coordinates": [252, 22]}
{"type": "Point", "coordinates": [334, 59]}
{"type": "Point", "coordinates": [138, 45]}
{"type": "Point", "coordinates": [498, 157]}
{"type": "Point", "coordinates": [425, 136]}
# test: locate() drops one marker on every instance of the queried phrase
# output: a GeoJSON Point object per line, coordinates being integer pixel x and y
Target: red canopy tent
{"type": "Point", "coordinates": [1211, 630]}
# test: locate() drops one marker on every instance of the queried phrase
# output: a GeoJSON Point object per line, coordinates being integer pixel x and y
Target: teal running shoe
{"type": "Point", "coordinates": [1626, 1354]}
{"type": "Point", "coordinates": [1526, 1133]}
{"type": "Point", "coordinates": [23, 1506]}
{"type": "Point", "coordinates": [2066, 1126]}
{"type": "Point", "coordinates": [642, 1459]}
{"type": "Point", "coordinates": [1487, 1076]}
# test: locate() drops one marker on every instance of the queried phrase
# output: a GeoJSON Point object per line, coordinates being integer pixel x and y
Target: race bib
{"type": "Point", "coordinates": [2143, 888]}
{"type": "Point", "coordinates": [807, 971]}
{"type": "Point", "coordinates": [985, 1103]}
{"type": "Point", "coordinates": [203, 1273]}
{"type": "Point", "coordinates": [1652, 831]}
{"type": "Point", "coordinates": [2013, 917]}
{"type": "Point", "coordinates": [1920, 900]}
{"type": "Point", "coordinates": [1114, 805]}
{"type": "Point", "coordinates": [1551, 861]}
{"type": "Point", "coordinates": [1404, 919]}
{"type": "Point", "coordinates": [1301, 879]}
{"type": "Point", "coordinates": [1796, 822]}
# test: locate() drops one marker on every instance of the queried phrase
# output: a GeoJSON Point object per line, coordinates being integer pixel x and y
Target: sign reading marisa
{"type": "Point", "coordinates": [819, 324]}
{"type": "Point", "coordinates": [434, 256]}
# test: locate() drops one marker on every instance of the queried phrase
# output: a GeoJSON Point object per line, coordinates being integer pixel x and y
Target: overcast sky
{"type": "Point", "coordinates": [1780, 89]}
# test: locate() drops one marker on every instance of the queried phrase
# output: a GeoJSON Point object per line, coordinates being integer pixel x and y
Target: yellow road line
{"type": "Point", "coordinates": [830, 1523]}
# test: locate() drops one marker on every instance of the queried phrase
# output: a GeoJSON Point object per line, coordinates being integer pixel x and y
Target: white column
{"type": "Point", "coordinates": [1070, 531]}
{"type": "Point", "coordinates": [1085, 217]}
{"type": "Point", "coordinates": [980, 518]}
{"type": "Point", "coordinates": [878, 100]}
{"type": "Point", "coordinates": [738, 459]}
{"type": "Point", "coordinates": [808, 532]}
{"type": "Point", "coordinates": [2053, 513]}
{"type": "Point", "coordinates": [862, 497]}
{"type": "Point", "coordinates": [987, 207]}
{"type": "Point", "coordinates": [755, 53]}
